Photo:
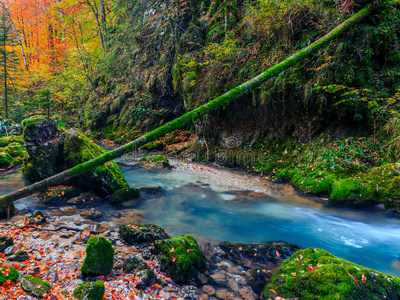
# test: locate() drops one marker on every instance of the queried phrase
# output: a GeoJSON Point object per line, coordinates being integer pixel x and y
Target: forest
{"type": "Point", "coordinates": [199, 149]}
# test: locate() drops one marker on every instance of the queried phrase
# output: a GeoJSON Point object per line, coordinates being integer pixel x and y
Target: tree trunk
{"type": "Point", "coordinates": [5, 71]}
{"type": "Point", "coordinates": [189, 116]}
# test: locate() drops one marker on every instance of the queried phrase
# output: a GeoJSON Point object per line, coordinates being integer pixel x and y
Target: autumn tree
{"type": "Point", "coordinates": [8, 57]}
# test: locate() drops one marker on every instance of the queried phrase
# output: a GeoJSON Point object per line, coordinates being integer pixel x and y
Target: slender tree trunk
{"type": "Point", "coordinates": [5, 71]}
{"type": "Point", "coordinates": [189, 116]}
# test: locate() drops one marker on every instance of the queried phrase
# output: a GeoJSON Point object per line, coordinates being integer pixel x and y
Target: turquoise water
{"type": "Point", "coordinates": [211, 209]}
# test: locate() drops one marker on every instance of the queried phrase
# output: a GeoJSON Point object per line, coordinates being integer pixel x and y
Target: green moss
{"type": "Point", "coordinates": [8, 274]}
{"type": "Point", "coordinates": [5, 160]}
{"type": "Point", "coordinates": [36, 120]}
{"type": "Point", "coordinates": [156, 160]}
{"type": "Point", "coordinates": [104, 179]}
{"type": "Point", "coordinates": [35, 287]}
{"type": "Point", "coordinates": [36, 218]}
{"type": "Point", "coordinates": [90, 291]}
{"type": "Point", "coordinates": [99, 257]}
{"type": "Point", "coordinates": [156, 145]}
{"type": "Point", "coordinates": [123, 195]}
{"type": "Point", "coordinates": [317, 274]}
{"type": "Point", "coordinates": [133, 263]}
{"type": "Point", "coordinates": [145, 278]}
{"type": "Point", "coordinates": [180, 258]}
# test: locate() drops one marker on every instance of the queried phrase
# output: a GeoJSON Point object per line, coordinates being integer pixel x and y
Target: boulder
{"type": "Point", "coordinates": [123, 195]}
{"type": "Point", "coordinates": [260, 253]}
{"type": "Point", "coordinates": [99, 257]}
{"type": "Point", "coordinates": [36, 218]}
{"type": "Point", "coordinates": [35, 287]}
{"type": "Point", "coordinates": [133, 263]}
{"type": "Point", "coordinates": [180, 258]}
{"type": "Point", "coordinates": [90, 291]}
{"type": "Point", "coordinates": [316, 274]}
{"type": "Point", "coordinates": [59, 194]}
{"type": "Point", "coordinates": [103, 180]}
{"type": "Point", "coordinates": [8, 273]}
{"type": "Point", "coordinates": [5, 242]}
{"type": "Point", "coordinates": [142, 234]}
{"type": "Point", "coordinates": [12, 151]}
{"type": "Point", "coordinates": [158, 161]}
{"type": "Point", "coordinates": [145, 278]}
{"type": "Point", "coordinates": [19, 256]}
{"type": "Point", "coordinates": [44, 144]}
{"type": "Point", "coordinates": [257, 278]}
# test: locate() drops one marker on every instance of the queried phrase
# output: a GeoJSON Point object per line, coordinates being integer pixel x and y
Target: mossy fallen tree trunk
{"type": "Point", "coordinates": [189, 116]}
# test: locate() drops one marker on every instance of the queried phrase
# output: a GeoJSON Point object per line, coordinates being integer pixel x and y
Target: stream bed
{"type": "Point", "coordinates": [218, 204]}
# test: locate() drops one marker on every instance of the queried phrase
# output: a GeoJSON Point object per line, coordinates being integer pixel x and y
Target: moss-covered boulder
{"type": "Point", "coordinates": [36, 218]}
{"type": "Point", "coordinates": [35, 287]}
{"type": "Point", "coordinates": [90, 291]}
{"type": "Point", "coordinates": [5, 242]}
{"type": "Point", "coordinates": [3, 210]}
{"type": "Point", "coordinates": [133, 264]}
{"type": "Point", "coordinates": [145, 278]}
{"type": "Point", "coordinates": [259, 253]}
{"type": "Point", "coordinates": [316, 274]}
{"type": "Point", "coordinates": [59, 194]}
{"type": "Point", "coordinates": [103, 180]}
{"type": "Point", "coordinates": [158, 161]}
{"type": "Point", "coordinates": [180, 258]}
{"type": "Point", "coordinates": [99, 258]}
{"type": "Point", "coordinates": [137, 233]}
{"type": "Point", "coordinates": [44, 144]}
{"type": "Point", "coordinates": [8, 273]}
{"type": "Point", "coordinates": [123, 195]}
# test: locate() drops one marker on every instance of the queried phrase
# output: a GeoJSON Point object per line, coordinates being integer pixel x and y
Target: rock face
{"type": "Point", "coordinates": [316, 274]}
{"type": "Point", "coordinates": [8, 274]}
{"type": "Point", "coordinates": [180, 258]}
{"type": "Point", "coordinates": [44, 143]}
{"type": "Point", "coordinates": [142, 234]}
{"type": "Point", "coordinates": [123, 195]}
{"type": "Point", "coordinates": [90, 291]}
{"type": "Point", "coordinates": [99, 258]}
{"type": "Point", "coordinates": [35, 287]}
{"type": "Point", "coordinates": [103, 180]}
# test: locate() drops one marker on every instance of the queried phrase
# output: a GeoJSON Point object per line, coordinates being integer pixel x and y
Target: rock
{"type": "Point", "coordinates": [36, 218]}
{"type": "Point", "coordinates": [5, 242]}
{"type": "Point", "coordinates": [248, 294]}
{"type": "Point", "coordinates": [151, 190]}
{"type": "Point", "coordinates": [146, 254]}
{"type": "Point", "coordinates": [123, 195]}
{"type": "Point", "coordinates": [180, 258]}
{"type": "Point", "coordinates": [145, 278]}
{"type": "Point", "coordinates": [85, 198]}
{"type": "Point", "coordinates": [44, 143]}
{"type": "Point", "coordinates": [133, 263]}
{"type": "Point", "coordinates": [222, 294]}
{"type": "Point", "coordinates": [35, 287]}
{"type": "Point", "coordinates": [91, 214]}
{"type": "Point", "coordinates": [19, 256]}
{"type": "Point", "coordinates": [233, 285]}
{"type": "Point", "coordinates": [219, 278]}
{"type": "Point", "coordinates": [8, 274]}
{"type": "Point", "coordinates": [158, 161]}
{"type": "Point", "coordinates": [12, 151]}
{"type": "Point", "coordinates": [259, 254]}
{"type": "Point", "coordinates": [191, 292]}
{"type": "Point", "coordinates": [208, 289]}
{"type": "Point", "coordinates": [142, 234]}
{"type": "Point", "coordinates": [90, 291]}
{"type": "Point", "coordinates": [59, 194]}
{"type": "Point", "coordinates": [316, 274]}
{"type": "Point", "coordinates": [127, 216]}
{"type": "Point", "coordinates": [257, 278]}
{"type": "Point", "coordinates": [103, 180]}
{"type": "Point", "coordinates": [99, 258]}
{"type": "Point", "coordinates": [9, 251]}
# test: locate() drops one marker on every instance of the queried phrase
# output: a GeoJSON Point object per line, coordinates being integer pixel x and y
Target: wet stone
{"type": "Point", "coordinates": [208, 289]}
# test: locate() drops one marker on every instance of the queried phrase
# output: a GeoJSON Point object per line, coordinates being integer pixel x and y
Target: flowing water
{"type": "Point", "coordinates": [217, 204]}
